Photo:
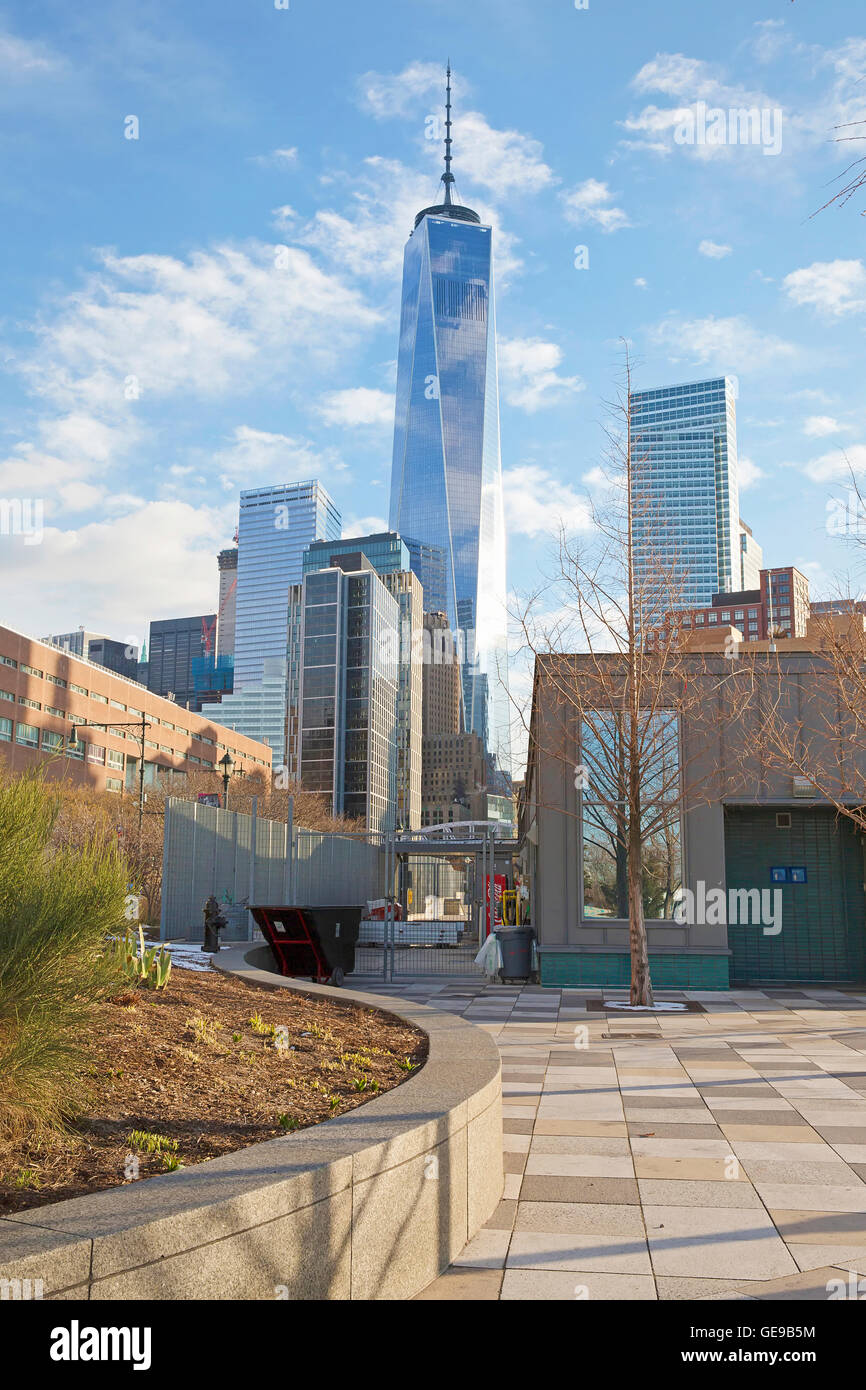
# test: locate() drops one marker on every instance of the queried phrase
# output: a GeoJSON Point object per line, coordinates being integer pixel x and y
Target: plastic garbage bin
{"type": "Point", "coordinates": [318, 942]}
{"type": "Point", "coordinates": [516, 946]}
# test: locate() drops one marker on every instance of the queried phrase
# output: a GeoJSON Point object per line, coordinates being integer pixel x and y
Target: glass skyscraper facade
{"type": "Point", "coordinates": [446, 478]}
{"type": "Point", "coordinates": [686, 513]}
{"type": "Point", "coordinates": [348, 692]}
{"type": "Point", "coordinates": [275, 526]}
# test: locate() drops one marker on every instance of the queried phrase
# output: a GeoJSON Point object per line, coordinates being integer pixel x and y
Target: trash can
{"type": "Point", "coordinates": [516, 946]}
{"type": "Point", "coordinates": [318, 942]}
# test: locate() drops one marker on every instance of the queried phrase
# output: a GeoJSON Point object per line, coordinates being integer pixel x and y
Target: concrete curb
{"type": "Point", "coordinates": [371, 1205]}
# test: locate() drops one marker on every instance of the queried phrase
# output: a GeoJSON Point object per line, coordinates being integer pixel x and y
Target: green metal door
{"type": "Point", "coordinates": [823, 934]}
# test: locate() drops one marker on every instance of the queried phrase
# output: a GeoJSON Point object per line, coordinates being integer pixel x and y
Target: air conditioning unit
{"type": "Point", "coordinates": [801, 786]}
{"type": "Point", "coordinates": [783, 820]}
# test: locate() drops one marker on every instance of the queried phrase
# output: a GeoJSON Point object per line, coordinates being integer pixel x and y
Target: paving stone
{"type": "Point", "coordinates": [811, 1197]}
{"type": "Point", "coordinates": [487, 1251]}
{"type": "Point", "coordinates": [557, 1250]}
{"type": "Point", "coordinates": [582, 1165]}
{"type": "Point", "coordinates": [821, 1227]}
{"type": "Point", "coordinates": [678, 1193]}
{"type": "Point", "coordinates": [660, 1129]}
{"type": "Point", "coordinates": [504, 1216]}
{"type": "Point", "coordinates": [580, 1218]}
{"type": "Point", "coordinates": [554, 1286]}
{"type": "Point", "coordinates": [463, 1286]}
{"type": "Point", "coordinates": [589, 1190]}
{"type": "Point", "coordinates": [712, 1241]}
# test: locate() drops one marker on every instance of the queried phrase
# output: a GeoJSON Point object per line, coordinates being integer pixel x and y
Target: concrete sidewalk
{"type": "Point", "coordinates": [714, 1153]}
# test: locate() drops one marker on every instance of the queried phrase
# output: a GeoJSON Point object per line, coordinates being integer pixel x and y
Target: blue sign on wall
{"type": "Point", "coordinates": [794, 874]}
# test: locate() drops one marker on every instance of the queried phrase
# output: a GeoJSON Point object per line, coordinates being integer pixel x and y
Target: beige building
{"type": "Point", "coordinates": [441, 677]}
{"type": "Point", "coordinates": [45, 692]}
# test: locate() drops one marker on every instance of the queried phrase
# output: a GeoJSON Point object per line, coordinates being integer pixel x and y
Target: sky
{"type": "Point", "coordinates": [204, 208]}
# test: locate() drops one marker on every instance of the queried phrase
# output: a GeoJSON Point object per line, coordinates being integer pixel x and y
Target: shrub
{"type": "Point", "coordinates": [56, 907]}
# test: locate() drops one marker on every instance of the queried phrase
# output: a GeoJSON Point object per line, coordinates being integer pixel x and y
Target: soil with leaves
{"type": "Point", "coordinates": [199, 1069]}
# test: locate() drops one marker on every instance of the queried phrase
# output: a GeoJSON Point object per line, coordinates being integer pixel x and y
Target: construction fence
{"type": "Point", "coordinates": [248, 859]}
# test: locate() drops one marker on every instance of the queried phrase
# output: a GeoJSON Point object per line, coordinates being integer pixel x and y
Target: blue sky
{"type": "Point", "coordinates": [161, 350]}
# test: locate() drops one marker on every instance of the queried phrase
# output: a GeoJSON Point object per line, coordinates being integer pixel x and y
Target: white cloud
{"type": "Point", "coordinates": [835, 287]}
{"type": "Point", "coordinates": [687, 81]}
{"type": "Point", "coordinates": [385, 95]}
{"type": "Point", "coordinates": [358, 405]}
{"type": "Point", "coordinates": [726, 343]}
{"type": "Point", "coordinates": [223, 321]}
{"type": "Point", "coordinates": [363, 526]}
{"type": "Point", "coordinates": [367, 237]}
{"type": "Point", "coordinates": [715, 250]}
{"type": "Point", "coordinates": [26, 58]}
{"type": "Point", "coordinates": [281, 159]}
{"type": "Point", "coordinates": [171, 543]}
{"type": "Point", "coordinates": [748, 473]}
{"type": "Point", "coordinates": [817, 426]}
{"type": "Point", "coordinates": [529, 376]}
{"type": "Point", "coordinates": [592, 202]}
{"type": "Point", "coordinates": [501, 160]}
{"type": "Point", "coordinates": [537, 503]}
{"type": "Point", "coordinates": [837, 464]}
{"type": "Point", "coordinates": [259, 457]}
{"type": "Point", "coordinates": [640, 283]}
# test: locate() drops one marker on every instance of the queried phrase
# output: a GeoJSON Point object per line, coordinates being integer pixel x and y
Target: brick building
{"type": "Point", "coordinates": [45, 691]}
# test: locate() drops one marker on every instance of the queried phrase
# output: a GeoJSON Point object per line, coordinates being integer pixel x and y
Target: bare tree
{"type": "Point", "coordinates": [619, 676]}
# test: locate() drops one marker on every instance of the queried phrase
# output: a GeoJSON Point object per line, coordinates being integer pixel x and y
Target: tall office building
{"type": "Point", "coordinates": [686, 488]}
{"type": "Point", "coordinates": [446, 478]}
{"type": "Point", "coordinates": [275, 526]}
{"type": "Point", "coordinates": [227, 606]}
{"type": "Point", "coordinates": [174, 645]}
{"type": "Point", "coordinates": [751, 558]}
{"type": "Point", "coordinates": [349, 683]}
{"type": "Point", "coordinates": [390, 558]}
{"type": "Point", "coordinates": [115, 656]}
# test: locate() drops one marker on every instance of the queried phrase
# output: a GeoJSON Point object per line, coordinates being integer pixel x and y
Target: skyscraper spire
{"type": "Point", "coordinates": [448, 208]}
{"type": "Point", "coordinates": [448, 177]}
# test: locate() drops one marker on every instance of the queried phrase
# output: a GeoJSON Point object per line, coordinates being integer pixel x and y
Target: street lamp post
{"type": "Point", "coordinates": [142, 725]}
{"type": "Point", "coordinates": [227, 764]}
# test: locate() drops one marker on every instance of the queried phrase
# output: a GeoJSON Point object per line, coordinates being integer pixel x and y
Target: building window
{"type": "Point", "coordinates": [95, 753]}
{"type": "Point", "coordinates": [603, 753]}
{"type": "Point", "coordinates": [30, 670]}
{"type": "Point", "coordinates": [7, 695]}
{"type": "Point", "coordinates": [115, 704]}
{"type": "Point", "coordinates": [79, 689]}
{"type": "Point", "coordinates": [51, 742]}
{"type": "Point", "coordinates": [100, 699]}
{"type": "Point", "coordinates": [28, 734]}
{"type": "Point", "coordinates": [31, 704]}
{"type": "Point", "coordinates": [7, 661]}
{"type": "Point", "coordinates": [113, 784]}
{"type": "Point", "coordinates": [58, 713]}
{"type": "Point", "coordinates": [115, 758]}
{"type": "Point", "coordinates": [726, 615]}
{"type": "Point", "coordinates": [5, 730]}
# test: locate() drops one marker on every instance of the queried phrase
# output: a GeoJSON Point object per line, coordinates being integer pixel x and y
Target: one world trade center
{"type": "Point", "coordinates": [446, 477]}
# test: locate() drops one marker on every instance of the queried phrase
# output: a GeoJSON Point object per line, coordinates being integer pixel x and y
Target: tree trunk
{"type": "Point", "coordinates": [641, 984]}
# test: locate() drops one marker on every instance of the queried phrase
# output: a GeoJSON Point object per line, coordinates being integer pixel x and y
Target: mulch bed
{"type": "Point", "coordinates": [204, 1067]}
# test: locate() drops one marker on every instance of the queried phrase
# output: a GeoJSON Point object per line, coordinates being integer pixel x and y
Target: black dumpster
{"type": "Point", "coordinates": [516, 946]}
{"type": "Point", "coordinates": [317, 942]}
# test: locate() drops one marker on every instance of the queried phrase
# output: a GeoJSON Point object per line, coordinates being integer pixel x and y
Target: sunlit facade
{"type": "Point", "coordinates": [686, 488]}
{"type": "Point", "coordinates": [446, 480]}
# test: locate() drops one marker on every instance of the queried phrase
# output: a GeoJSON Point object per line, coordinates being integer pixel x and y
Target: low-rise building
{"type": "Point", "coordinates": [45, 692]}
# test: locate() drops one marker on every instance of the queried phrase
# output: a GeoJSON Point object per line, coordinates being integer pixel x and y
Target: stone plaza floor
{"type": "Point", "coordinates": [713, 1153]}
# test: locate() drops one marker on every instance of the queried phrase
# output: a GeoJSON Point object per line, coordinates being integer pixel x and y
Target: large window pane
{"type": "Point", "coordinates": [604, 823]}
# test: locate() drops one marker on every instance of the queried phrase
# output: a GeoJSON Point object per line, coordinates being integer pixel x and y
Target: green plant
{"type": "Point", "coordinates": [57, 907]}
{"type": "Point", "coordinates": [171, 1163]}
{"type": "Point", "coordinates": [204, 1029]}
{"type": "Point", "coordinates": [334, 1101]}
{"type": "Point", "coordinates": [27, 1177]}
{"type": "Point", "coordinates": [288, 1122]}
{"type": "Point", "coordinates": [259, 1026]}
{"type": "Point", "coordinates": [236, 1037]}
{"type": "Point", "coordinates": [143, 1142]}
{"type": "Point", "coordinates": [361, 1083]}
{"type": "Point", "coordinates": [408, 1065]}
{"type": "Point", "coordinates": [150, 968]}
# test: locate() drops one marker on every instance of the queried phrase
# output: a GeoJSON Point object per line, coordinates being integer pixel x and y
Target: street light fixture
{"type": "Point", "coordinates": [227, 764]}
{"type": "Point", "coordinates": [142, 725]}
